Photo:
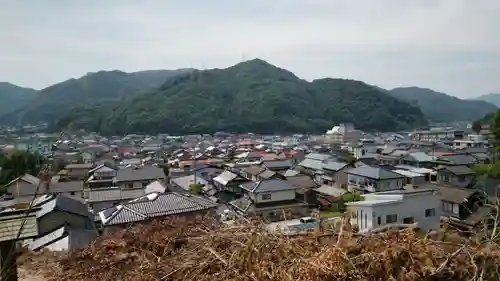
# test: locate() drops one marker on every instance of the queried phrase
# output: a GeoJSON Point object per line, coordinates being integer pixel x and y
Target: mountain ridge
{"type": "Point", "coordinates": [14, 97]}
{"type": "Point", "coordinates": [53, 101]}
{"type": "Point", "coordinates": [441, 107]}
{"type": "Point", "coordinates": [493, 98]}
{"type": "Point", "coordinates": [252, 96]}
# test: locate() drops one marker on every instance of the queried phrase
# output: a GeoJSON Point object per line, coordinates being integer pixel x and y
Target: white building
{"type": "Point", "coordinates": [419, 206]}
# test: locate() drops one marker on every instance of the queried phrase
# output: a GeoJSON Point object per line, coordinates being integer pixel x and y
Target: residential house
{"type": "Point", "coordinates": [279, 166]}
{"type": "Point", "coordinates": [101, 176]}
{"type": "Point", "coordinates": [256, 173]}
{"type": "Point", "coordinates": [103, 198]}
{"type": "Point", "coordinates": [459, 176]}
{"type": "Point", "coordinates": [456, 160]}
{"type": "Point", "coordinates": [136, 177]}
{"type": "Point", "coordinates": [420, 206]}
{"type": "Point", "coordinates": [412, 178]}
{"type": "Point", "coordinates": [63, 223]}
{"type": "Point", "coordinates": [229, 181]}
{"type": "Point", "coordinates": [78, 171]}
{"type": "Point", "coordinates": [153, 206]}
{"type": "Point", "coordinates": [373, 179]}
{"type": "Point", "coordinates": [27, 187]}
{"type": "Point", "coordinates": [305, 191]}
{"type": "Point", "coordinates": [419, 160]}
{"type": "Point", "coordinates": [334, 173]}
{"type": "Point", "coordinates": [392, 156]}
{"type": "Point", "coordinates": [462, 205]}
{"type": "Point", "coordinates": [270, 199]}
{"type": "Point", "coordinates": [249, 156]}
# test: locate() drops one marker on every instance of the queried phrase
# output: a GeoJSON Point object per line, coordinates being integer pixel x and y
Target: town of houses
{"type": "Point", "coordinates": [103, 184]}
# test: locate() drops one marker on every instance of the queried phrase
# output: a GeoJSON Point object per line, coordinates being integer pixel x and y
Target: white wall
{"type": "Point", "coordinates": [413, 205]}
{"type": "Point", "coordinates": [282, 195]}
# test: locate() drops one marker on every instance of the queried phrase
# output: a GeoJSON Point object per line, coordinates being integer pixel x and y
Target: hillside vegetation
{"type": "Point", "coordinates": [52, 102]}
{"type": "Point", "coordinates": [252, 96]}
{"type": "Point", "coordinates": [439, 107]}
{"type": "Point", "coordinates": [14, 97]}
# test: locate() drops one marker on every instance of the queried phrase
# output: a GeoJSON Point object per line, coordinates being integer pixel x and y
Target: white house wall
{"type": "Point", "coordinates": [412, 206]}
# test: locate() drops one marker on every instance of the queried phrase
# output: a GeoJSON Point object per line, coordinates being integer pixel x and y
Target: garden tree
{"type": "Point", "coordinates": [476, 126]}
{"type": "Point", "coordinates": [347, 157]}
{"type": "Point", "coordinates": [166, 169]}
{"type": "Point", "coordinates": [195, 188]}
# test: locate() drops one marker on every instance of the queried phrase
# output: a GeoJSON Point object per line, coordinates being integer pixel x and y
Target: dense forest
{"type": "Point", "coordinates": [104, 86]}
{"type": "Point", "coordinates": [439, 107]}
{"type": "Point", "coordinates": [252, 96]}
{"type": "Point", "coordinates": [14, 97]}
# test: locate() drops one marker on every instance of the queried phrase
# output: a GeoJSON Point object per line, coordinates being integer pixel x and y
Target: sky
{"type": "Point", "coordinates": [451, 46]}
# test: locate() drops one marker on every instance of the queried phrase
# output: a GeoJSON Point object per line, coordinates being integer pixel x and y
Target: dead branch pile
{"type": "Point", "coordinates": [200, 250]}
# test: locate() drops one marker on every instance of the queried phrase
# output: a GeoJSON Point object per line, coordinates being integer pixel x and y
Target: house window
{"type": "Point", "coordinates": [391, 218]}
{"type": "Point", "coordinates": [461, 178]}
{"type": "Point", "coordinates": [379, 220]}
{"type": "Point", "coordinates": [144, 184]}
{"type": "Point", "coordinates": [430, 212]}
{"type": "Point", "coordinates": [447, 207]}
{"type": "Point", "coordinates": [266, 196]}
{"type": "Point", "coordinates": [446, 178]}
{"type": "Point", "coordinates": [129, 185]}
{"type": "Point", "coordinates": [408, 220]}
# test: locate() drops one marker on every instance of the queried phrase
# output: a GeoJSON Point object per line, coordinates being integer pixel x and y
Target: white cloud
{"type": "Point", "coordinates": [447, 45]}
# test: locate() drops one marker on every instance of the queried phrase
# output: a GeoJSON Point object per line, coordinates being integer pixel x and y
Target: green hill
{"type": "Point", "coordinates": [439, 107]}
{"type": "Point", "coordinates": [492, 98]}
{"type": "Point", "coordinates": [53, 102]}
{"type": "Point", "coordinates": [252, 96]}
{"type": "Point", "coordinates": [13, 97]}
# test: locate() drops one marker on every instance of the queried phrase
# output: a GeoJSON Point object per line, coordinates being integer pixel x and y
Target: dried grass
{"type": "Point", "coordinates": [200, 249]}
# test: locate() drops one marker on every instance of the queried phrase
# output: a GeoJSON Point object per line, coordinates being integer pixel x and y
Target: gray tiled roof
{"type": "Point", "coordinates": [267, 174]}
{"type": "Point", "coordinates": [376, 173]}
{"type": "Point", "coordinates": [114, 194]}
{"type": "Point", "coordinates": [278, 164]}
{"type": "Point", "coordinates": [268, 186]}
{"type": "Point", "coordinates": [68, 186]}
{"type": "Point", "coordinates": [49, 203]}
{"type": "Point", "coordinates": [311, 164]}
{"type": "Point", "coordinates": [253, 170]}
{"type": "Point", "coordinates": [458, 159]}
{"type": "Point", "coordinates": [334, 166]}
{"type": "Point", "coordinates": [138, 174]}
{"type": "Point", "coordinates": [319, 156]}
{"type": "Point", "coordinates": [163, 205]}
{"type": "Point", "coordinates": [460, 170]}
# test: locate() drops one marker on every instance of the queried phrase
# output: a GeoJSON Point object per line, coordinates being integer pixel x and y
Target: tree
{"type": "Point", "coordinates": [476, 126]}
{"type": "Point", "coordinates": [195, 188]}
{"type": "Point", "coordinates": [17, 163]}
{"type": "Point", "coordinates": [347, 157]}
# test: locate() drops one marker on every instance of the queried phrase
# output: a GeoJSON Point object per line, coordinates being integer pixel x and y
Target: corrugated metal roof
{"type": "Point", "coordinates": [225, 177]}
{"type": "Point", "coordinates": [11, 222]}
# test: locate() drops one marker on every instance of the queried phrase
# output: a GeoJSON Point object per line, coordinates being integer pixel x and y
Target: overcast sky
{"type": "Point", "coordinates": [451, 46]}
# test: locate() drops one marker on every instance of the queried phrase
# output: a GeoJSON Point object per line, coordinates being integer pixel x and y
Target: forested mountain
{"type": "Point", "coordinates": [492, 98]}
{"type": "Point", "coordinates": [252, 96]}
{"type": "Point", "coordinates": [52, 102]}
{"type": "Point", "coordinates": [439, 107]}
{"type": "Point", "coordinates": [13, 97]}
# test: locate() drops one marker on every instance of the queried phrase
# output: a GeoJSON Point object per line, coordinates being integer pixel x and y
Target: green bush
{"type": "Point", "coordinates": [195, 188]}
